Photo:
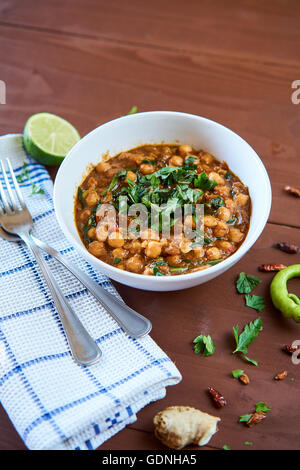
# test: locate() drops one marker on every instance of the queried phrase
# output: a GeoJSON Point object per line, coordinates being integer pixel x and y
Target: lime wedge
{"type": "Point", "coordinates": [48, 138]}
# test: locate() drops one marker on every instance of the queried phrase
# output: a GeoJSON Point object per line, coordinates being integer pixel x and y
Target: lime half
{"type": "Point", "coordinates": [48, 138]}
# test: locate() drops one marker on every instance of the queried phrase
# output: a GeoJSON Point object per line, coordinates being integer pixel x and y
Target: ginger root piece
{"type": "Point", "coordinates": [179, 426]}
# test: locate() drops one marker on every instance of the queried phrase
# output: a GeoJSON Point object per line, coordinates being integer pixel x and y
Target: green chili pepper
{"type": "Point", "coordinates": [288, 304]}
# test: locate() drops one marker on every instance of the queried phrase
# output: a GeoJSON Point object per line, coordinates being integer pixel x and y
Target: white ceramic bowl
{"type": "Point", "coordinates": [154, 128]}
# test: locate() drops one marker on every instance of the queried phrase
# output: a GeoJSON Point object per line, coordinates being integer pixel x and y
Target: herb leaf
{"type": "Point", "coordinates": [25, 174]}
{"type": "Point", "coordinates": [133, 110]}
{"type": "Point", "coordinates": [245, 418]}
{"type": "Point", "coordinates": [117, 261]}
{"type": "Point", "coordinates": [248, 443]}
{"type": "Point", "coordinates": [226, 447]}
{"type": "Point", "coordinates": [204, 345]}
{"type": "Point", "coordinates": [203, 182]}
{"type": "Point", "coordinates": [255, 301]}
{"type": "Point", "coordinates": [246, 283]}
{"type": "Point", "coordinates": [261, 407]}
{"type": "Point", "coordinates": [237, 373]}
{"type": "Point", "coordinates": [248, 335]}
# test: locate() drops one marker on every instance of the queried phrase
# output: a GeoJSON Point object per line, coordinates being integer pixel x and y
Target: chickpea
{"type": "Point", "coordinates": [213, 253]}
{"type": "Point", "coordinates": [102, 167]}
{"type": "Point", "coordinates": [221, 229]}
{"type": "Point", "coordinates": [115, 240]}
{"type": "Point", "coordinates": [135, 264]}
{"type": "Point", "coordinates": [101, 231]}
{"type": "Point", "coordinates": [147, 168]}
{"type": "Point", "coordinates": [153, 249]}
{"type": "Point", "coordinates": [92, 198]}
{"type": "Point", "coordinates": [135, 247]}
{"type": "Point", "coordinates": [171, 249]}
{"type": "Point", "coordinates": [207, 158]}
{"type": "Point", "coordinates": [119, 253]}
{"type": "Point", "coordinates": [230, 204]}
{"type": "Point", "coordinates": [174, 260]}
{"type": "Point", "coordinates": [92, 182]}
{"type": "Point", "coordinates": [185, 149]}
{"type": "Point", "coordinates": [210, 221]}
{"type": "Point", "coordinates": [235, 235]}
{"type": "Point", "coordinates": [131, 175]}
{"type": "Point", "coordinates": [97, 248]}
{"type": "Point", "coordinates": [176, 161]}
{"type": "Point", "coordinates": [224, 213]}
{"type": "Point", "coordinates": [223, 191]}
{"type": "Point", "coordinates": [242, 199]}
{"type": "Point", "coordinates": [92, 233]}
{"type": "Point", "coordinates": [225, 246]}
{"type": "Point", "coordinates": [199, 252]}
{"type": "Point", "coordinates": [185, 246]}
{"type": "Point", "coordinates": [85, 215]}
{"type": "Point", "coordinates": [213, 175]}
{"type": "Point", "coordinates": [190, 222]}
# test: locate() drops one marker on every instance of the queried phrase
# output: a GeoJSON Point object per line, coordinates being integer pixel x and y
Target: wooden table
{"type": "Point", "coordinates": [91, 61]}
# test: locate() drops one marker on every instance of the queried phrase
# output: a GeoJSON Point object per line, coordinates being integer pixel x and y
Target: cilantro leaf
{"type": "Point", "coordinates": [252, 361]}
{"type": "Point", "coordinates": [133, 110]}
{"type": "Point", "coordinates": [248, 335]}
{"type": "Point", "coordinates": [245, 418]}
{"type": "Point", "coordinates": [217, 202]}
{"type": "Point", "coordinates": [248, 443]}
{"type": "Point", "coordinates": [226, 447]}
{"type": "Point", "coordinates": [261, 407]}
{"type": "Point", "coordinates": [117, 261]}
{"type": "Point", "coordinates": [203, 182]}
{"type": "Point", "coordinates": [237, 373]}
{"type": "Point", "coordinates": [255, 301]}
{"type": "Point", "coordinates": [204, 345]}
{"type": "Point", "coordinates": [246, 283]}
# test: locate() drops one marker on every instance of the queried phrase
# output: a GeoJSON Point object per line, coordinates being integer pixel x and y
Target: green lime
{"type": "Point", "coordinates": [48, 138]}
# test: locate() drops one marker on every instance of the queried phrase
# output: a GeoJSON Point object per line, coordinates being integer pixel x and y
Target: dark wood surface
{"type": "Point", "coordinates": [232, 61]}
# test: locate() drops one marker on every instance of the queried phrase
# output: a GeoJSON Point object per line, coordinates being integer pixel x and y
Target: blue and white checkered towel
{"type": "Point", "coordinates": [53, 402]}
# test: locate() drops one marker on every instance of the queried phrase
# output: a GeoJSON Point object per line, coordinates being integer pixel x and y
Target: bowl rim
{"type": "Point", "coordinates": [217, 268]}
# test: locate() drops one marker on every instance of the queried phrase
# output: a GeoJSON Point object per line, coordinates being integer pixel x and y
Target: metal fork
{"type": "Point", "coordinates": [16, 219]}
{"type": "Point", "coordinates": [132, 322]}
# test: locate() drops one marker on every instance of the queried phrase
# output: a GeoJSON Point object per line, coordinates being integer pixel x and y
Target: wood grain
{"type": "Point", "coordinates": [91, 81]}
{"type": "Point", "coordinates": [91, 61]}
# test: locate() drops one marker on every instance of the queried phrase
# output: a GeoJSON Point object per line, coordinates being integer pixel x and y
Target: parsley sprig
{"type": "Point", "coordinates": [246, 283]}
{"type": "Point", "coordinates": [248, 335]}
{"type": "Point", "coordinates": [260, 407]}
{"type": "Point", "coordinates": [204, 345]}
{"type": "Point", "coordinates": [26, 175]}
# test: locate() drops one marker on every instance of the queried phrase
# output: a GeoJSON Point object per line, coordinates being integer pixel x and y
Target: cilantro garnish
{"type": "Point", "coordinates": [246, 283]}
{"type": "Point", "coordinates": [226, 447]}
{"type": "Point", "coordinates": [255, 301]}
{"type": "Point", "coordinates": [203, 182]}
{"type": "Point", "coordinates": [260, 407]}
{"type": "Point", "coordinates": [248, 335]}
{"type": "Point", "coordinates": [117, 260]}
{"type": "Point", "coordinates": [245, 418]}
{"type": "Point", "coordinates": [248, 443]}
{"type": "Point", "coordinates": [217, 202]}
{"type": "Point", "coordinates": [237, 373]}
{"type": "Point", "coordinates": [25, 174]}
{"type": "Point", "coordinates": [204, 345]}
{"type": "Point", "coordinates": [133, 110]}
{"type": "Point", "coordinates": [228, 176]}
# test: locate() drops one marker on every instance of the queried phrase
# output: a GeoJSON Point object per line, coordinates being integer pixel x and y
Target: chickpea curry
{"type": "Point", "coordinates": [173, 175]}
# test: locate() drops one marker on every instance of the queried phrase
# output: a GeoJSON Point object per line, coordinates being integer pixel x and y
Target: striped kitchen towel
{"type": "Point", "coordinates": [53, 402]}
